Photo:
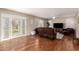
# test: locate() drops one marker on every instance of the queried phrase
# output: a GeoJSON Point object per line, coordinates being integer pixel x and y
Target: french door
{"type": "Point", "coordinates": [12, 26]}
{"type": "Point", "coordinates": [5, 26]}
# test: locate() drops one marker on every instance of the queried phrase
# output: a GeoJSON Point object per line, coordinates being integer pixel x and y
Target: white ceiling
{"type": "Point", "coordinates": [47, 12]}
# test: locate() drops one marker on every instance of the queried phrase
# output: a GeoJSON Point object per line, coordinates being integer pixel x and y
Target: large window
{"type": "Point", "coordinates": [40, 23]}
{"type": "Point", "coordinates": [12, 26]}
{"type": "Point", "coordinates": [5, 26]}
{"type": "Point", "coordinates": [23, 26]}
{"type": "Point", "coordinates": [16, 26]}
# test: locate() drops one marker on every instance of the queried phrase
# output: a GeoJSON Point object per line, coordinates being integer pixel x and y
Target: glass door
{"type": "Point", "coordinates": [15, 26]}
{"type": "Point", "coordinates": [5, 26]}
{"type": "Point", "coordinates": [24, 29]}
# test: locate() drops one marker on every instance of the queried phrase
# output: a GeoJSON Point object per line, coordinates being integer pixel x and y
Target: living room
{"type": "Point", "coordinates": [39, 29]}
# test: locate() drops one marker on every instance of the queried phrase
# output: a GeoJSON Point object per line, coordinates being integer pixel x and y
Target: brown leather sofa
{"type": "Point", "coordinates": [51, 33]}
{"type": "Point", "coordinates": [69, 31]}
{"type": "Point", "coordinates": [46, 32]}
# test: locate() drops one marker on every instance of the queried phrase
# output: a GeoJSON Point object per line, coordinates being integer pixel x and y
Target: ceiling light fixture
{"type": "Point", "coordinates": [54, 17]}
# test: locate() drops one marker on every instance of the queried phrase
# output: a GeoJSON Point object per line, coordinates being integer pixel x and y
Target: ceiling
{"type": "Point", "coordinates": [48, 12]}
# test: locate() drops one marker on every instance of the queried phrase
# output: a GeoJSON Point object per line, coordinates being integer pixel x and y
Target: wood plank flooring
{"type": "Point", "coordinates": [37, 43]}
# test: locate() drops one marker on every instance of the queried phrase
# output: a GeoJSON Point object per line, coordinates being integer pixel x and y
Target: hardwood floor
{"type": "Point", "coordinates": [36, 43]}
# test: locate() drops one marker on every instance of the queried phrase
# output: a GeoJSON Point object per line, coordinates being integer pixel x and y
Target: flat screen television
{"type": "Point", "coordinates": [58, 25]}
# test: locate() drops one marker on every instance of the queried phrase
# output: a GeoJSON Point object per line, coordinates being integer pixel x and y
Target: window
{"type": "Point", "coordinates": [23, 25]}
{"type": "Point", "coordinates": [12, 26]}
{"type": "Point", "coordinates": [15, 26]}
{"type": "Point", "coordinates": [40, 23]}
{"type": "Point", "coordinates": [5, 26]}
